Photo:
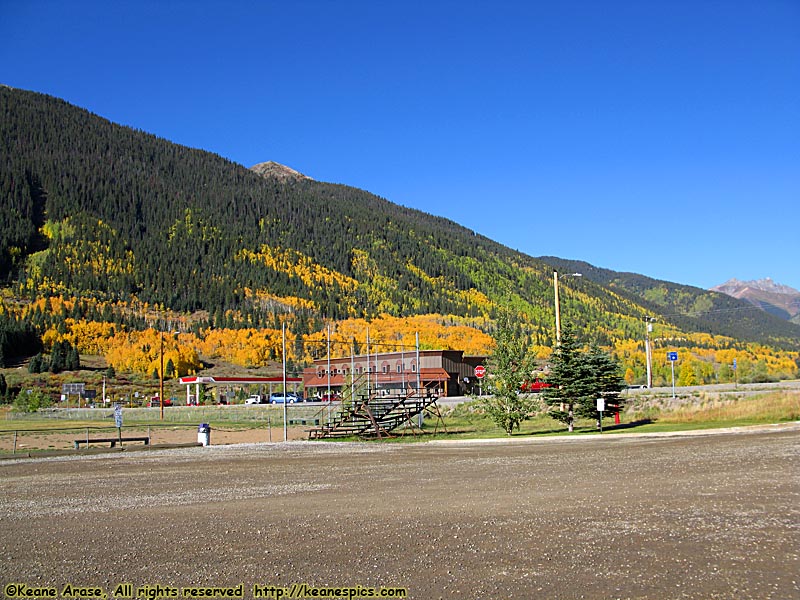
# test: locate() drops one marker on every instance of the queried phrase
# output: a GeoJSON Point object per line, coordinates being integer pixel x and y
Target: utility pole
{"type": "Point", "coordinates": [161, 376]}
{"type": "Point", "coordinates": [648, 352]}
{"type": "Point", "coordinates": [558, 302]}
{"type": "Point", "coordinates": [558, 308]}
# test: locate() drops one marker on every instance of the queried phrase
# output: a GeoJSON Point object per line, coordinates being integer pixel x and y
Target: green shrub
{"type": "Point", "coordinates": [31, 400]}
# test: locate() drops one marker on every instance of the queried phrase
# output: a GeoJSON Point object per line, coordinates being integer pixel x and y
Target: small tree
{"type": "Point", "coordinates": [57, 359]}
{"type": "Point", "coordinates": [31, 401]}
{"type": "Point", "coordinates": [509, 366]}
{"type": "Point", "coordinates": [569, 380]}
{"type": "Point", "coordinates": [35, 364]}
{"type": "Point", "coordinates": [73, 358]}
{"type": "Point", "coordinates": [605, 382]}
{"type": "Point", "coordinates": [578, 379]}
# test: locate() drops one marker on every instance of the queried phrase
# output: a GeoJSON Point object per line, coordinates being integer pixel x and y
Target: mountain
{"type": "Point", "coordinates": [776, 299]}
{"type": "Point", "coordinates": [688, 307]}
{"type": "Point", "coordinates": [94, 210]}
{"type": "Point", "coordinates": [91, 208]}
{"type": "Point", "coordinates": [277, 170]}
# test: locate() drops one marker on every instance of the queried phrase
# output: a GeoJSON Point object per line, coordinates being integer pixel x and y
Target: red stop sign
{"type": "Point", "coordinates": [480, 371]}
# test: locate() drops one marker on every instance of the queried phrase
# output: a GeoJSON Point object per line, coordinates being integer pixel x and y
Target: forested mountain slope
{"type": "Point", "coordinates": [688, 307]}
{"type": "Point", "coordinates": [91, 209]}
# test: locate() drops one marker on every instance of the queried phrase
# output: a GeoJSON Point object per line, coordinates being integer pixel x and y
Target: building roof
{"type": "Point", "coordinates": [237, 379]}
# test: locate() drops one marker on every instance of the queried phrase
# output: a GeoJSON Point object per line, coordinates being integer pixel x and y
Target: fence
{"type": "Point", "coordinates": [50, 430]}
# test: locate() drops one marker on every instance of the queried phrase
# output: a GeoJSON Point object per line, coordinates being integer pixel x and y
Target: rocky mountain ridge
{"type": "Point", "coordinates": [777, 299]}
{"type": "Point", "coordinates": [277, 170]}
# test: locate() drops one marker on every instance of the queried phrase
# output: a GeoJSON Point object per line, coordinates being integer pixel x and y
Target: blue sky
{"type": "Point", "coordinates": [661, 138]}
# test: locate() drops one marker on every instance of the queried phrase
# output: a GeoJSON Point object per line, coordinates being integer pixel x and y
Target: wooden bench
{"type": "Point", "coordinates": [112, 440]}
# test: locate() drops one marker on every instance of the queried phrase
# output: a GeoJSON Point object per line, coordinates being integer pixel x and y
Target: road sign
{"type": "Point", "coordinates": [734, 364]}
{"type": "Point", "coordinates": [601, 404]}
{"type": "Point", "coordinates": [480, 371]}
{"type": "Point", "coordinates": [73, 388]}
{"type": "Point", "coordinates": [672, 356]}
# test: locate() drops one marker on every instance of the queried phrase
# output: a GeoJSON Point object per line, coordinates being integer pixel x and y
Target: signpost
{"type": "Point", "coordinates": [672, 357]}
{"type": "Point", "coordinates": [118, 421]}
{"type": "Point", "coordinates": [73, 388]}
{"type": "Point", "coordinates": [601, 406]}
{"type": "Point", "coordinates": [480, 373]}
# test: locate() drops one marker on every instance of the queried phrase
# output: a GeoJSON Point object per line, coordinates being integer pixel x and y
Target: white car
{"type": "Point", "coordinates": [254, 399]}
{"type": "Point", "coordinates": [281, 398]}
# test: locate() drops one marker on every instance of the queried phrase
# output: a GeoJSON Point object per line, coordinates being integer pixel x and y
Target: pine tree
{"type": "Point", "coordinates": [57, 362]}
{"type": "Point", "coordinates": [569, 379]}
{"type": "Point", "coordinates": [605, 382]}
{"type": "Point", "coordinates": [579, 378]}
{"type": "Point", "coordinates": [73, 358]}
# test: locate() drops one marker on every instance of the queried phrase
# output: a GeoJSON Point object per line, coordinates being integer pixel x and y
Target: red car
{"type": "Point", "coordinates": [332, 397]}
{"type": "Point", "coordinates": [156, 403]}
{"type": "Point", "coordinates": [534, 386]}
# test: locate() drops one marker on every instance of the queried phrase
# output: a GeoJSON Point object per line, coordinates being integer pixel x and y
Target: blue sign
{"type": "Point", "coordinates": [672, 356]}
{"type": "Point", "coordinates": [734, 364]}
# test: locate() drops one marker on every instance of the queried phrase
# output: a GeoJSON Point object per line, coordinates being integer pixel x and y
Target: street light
{"type": "Point", "coordinates": [648, 353]}
{"type": "Point", "coordinates": [161, 378]}
{"type": "Point", "coordinates": [558, 304]}
{"type": "Point", "coordinates": [161, 373]}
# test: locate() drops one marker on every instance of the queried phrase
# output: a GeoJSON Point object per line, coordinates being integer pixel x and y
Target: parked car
{"type": "Point", "coordinates": [534, 386]}
{"type": "Point", "coordinates": [255, 399]}
{"type": "Point", "coordinates": [283, 398]}
{"type": "Point", "coordinates": [332, 397]}
{"type": "Point", "coordinates": [156, 403]}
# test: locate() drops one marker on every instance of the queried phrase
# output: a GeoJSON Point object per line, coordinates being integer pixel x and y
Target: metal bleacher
{"type": "Point", "coordinates": [376, 415]}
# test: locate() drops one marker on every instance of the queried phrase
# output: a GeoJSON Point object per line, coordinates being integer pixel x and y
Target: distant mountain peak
{"type": "Point", "coordinates": [277, 170]}
{"type": "Point", "coordinates": [775, 298]}
{"type": "Point", "coordinates": [764, 285]}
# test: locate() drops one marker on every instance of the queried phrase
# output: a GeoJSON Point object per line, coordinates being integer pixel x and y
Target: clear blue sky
{"type": "Point", "coordinates": [661, 138]}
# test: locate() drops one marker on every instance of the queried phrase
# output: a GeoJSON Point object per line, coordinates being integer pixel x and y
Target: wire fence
{"type": "Point", "coordinates": [53, 430]}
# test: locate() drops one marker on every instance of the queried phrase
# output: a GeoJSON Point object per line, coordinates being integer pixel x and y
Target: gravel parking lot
{"type": "Point", "coordinates": [711, 515]}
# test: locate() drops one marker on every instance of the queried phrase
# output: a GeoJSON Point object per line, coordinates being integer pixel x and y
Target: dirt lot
{"type": "Point", "coordinates": [715, 515]}
{"type": "Point", "coordinates": [159, 436]}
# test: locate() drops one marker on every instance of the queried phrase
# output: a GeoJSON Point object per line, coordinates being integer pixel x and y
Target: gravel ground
{"type": "Point", "coordinates": [710, 515]}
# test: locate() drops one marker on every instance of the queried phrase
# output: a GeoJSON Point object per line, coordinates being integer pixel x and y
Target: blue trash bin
{"type": "Point", "coordinates": [204, 434]}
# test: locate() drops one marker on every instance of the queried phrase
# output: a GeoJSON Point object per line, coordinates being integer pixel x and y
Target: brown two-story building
{"type": "Point", "coordinates": [447, 372]}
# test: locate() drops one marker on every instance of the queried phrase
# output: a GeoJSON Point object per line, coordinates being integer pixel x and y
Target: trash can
{"type": "Point", "coordinates": [204, 434]}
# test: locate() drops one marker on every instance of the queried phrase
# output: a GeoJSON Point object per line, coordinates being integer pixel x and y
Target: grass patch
{"type": "Point", "coordinates": [774, 407]}
{"type": "Point", "coordinates": [645, 413]}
